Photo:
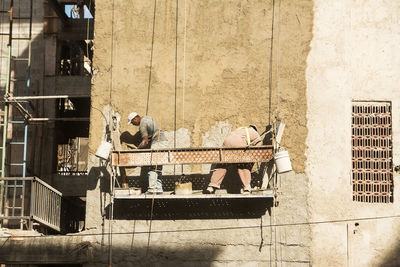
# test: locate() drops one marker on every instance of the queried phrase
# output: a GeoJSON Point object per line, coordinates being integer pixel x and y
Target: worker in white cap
{"type": "Point", "coordinates": [154, 138]}
{"type": "Point", "coordinates": [241, 137]}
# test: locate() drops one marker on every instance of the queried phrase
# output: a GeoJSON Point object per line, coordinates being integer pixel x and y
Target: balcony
{"type": "Point", "coordinates": [29, 202]}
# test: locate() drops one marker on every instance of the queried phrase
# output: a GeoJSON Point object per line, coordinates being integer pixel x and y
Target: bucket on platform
{"type": "Point", "coordinates": [282, 162]}
{"type": "Point", "coordinates": [104, 150]}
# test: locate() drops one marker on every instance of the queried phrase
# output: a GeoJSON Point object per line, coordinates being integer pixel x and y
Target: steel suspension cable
{"type": "Point", "coordinates": [159, 127]}
{"type": "Point", "coordinates": [151, 57]}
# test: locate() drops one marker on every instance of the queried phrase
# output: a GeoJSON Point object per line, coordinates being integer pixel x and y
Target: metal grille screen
{"type": "Point", "coordinates": [372, 152]}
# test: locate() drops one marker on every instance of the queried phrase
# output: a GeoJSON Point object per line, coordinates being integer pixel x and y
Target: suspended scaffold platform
{"type": "Point", "coordinates": [204, 155]}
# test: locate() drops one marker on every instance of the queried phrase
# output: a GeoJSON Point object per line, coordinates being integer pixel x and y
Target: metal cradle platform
{"type": "Point", "coordinates": [172, 156]}
{"type": "Point", "coordinates": [121, 193]}
{"type": "Point", "coordinates": [194, 206]}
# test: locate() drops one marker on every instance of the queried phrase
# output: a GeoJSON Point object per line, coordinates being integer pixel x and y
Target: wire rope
{"type": "Point", "coordinates": [110, 119]}
{"type": "Point", "coordinates": [344, 220]}
{"type": "Point", "coordinates": [151, 57]}
{"type": "Point", "coordinates": [184, 75]}
{"type": "Point", "coordinates": [2, 15]}
{"type": "Point", "coordinates": [176, 74]}
{"type": "Point", "coordinates": [270, 63]}
{"type": "Point", "coordinates": [278, 242]}
{"type": "Point", "coordinates": [159, 131]}
{"type": "Point", "coordinates": [278, 66]}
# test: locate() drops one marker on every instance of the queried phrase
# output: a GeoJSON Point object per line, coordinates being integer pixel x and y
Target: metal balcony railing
{"type": "Point", "coordinates": [28, 200]}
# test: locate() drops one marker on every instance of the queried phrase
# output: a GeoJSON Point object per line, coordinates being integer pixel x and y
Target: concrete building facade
{"type": "Point", "coordinates": [203, 69]}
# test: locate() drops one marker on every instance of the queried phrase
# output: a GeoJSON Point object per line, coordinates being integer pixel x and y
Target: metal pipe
{"type": "Point", "coordinates": [14, 198]}
{"type": "Point", "coordinates": [28, 97]}
{"type": "Point", "coordinates": [58, 119]}
{"type": "Point", "coordinates": [11, 92]}
{"type": "Point", "coordinates": [3, 185]}
{"type": "Point", "coordinates": [11, 22]}
{"type": "Point", "coordinates": [30, 19]}
{"type": "Point", "coordinates": [48, 200]}
{"type": "Point", "coordinates": [32, 203]}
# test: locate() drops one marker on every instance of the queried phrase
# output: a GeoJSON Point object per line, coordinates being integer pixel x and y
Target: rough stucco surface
{"type": "Point", "coordinates": [353, 57]}
{"type": "Point", "coordinates": [225, 71]}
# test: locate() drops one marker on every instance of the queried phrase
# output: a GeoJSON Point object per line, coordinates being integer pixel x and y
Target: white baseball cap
{"type": "Point", "coordinates": [131, 116]}
{"type": "Point", "coordinates": [254, 127]}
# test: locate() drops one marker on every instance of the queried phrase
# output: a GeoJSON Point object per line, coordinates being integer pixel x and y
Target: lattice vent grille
{"type": "Point", "coordinates": [372, 152]}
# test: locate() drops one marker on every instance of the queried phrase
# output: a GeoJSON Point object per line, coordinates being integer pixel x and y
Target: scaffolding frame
{"type": "Point", "coordinates": [17, 187]}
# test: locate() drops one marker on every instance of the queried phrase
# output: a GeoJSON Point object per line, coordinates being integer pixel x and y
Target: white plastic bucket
{"type": "Point", "coordinates": [282, 162]}
{"type": "Point", "coordinates": [104, 150]}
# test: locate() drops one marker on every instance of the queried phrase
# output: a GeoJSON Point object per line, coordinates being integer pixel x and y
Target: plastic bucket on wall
{"type": "Point", "coordinates": [104, 150]}
{"type": "Point", "coordinates": [282, 162]}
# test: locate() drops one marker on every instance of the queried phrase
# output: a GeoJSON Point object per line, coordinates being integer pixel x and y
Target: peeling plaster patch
{"type": "Point", "coordinates": [239, 47]}
{"type": "Point", "coordinates": [111, 119]}
{"type": "Point", "coordinates": [180, 140]}
{"type": "Point", "coordinates": [215, 137]}
{"type": "Point", "coordinates": [132, 171]}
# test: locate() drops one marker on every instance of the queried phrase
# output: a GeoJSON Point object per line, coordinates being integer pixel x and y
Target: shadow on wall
{"type": "Point", "coordinates": [157, 255]}
{"type": "Point", "coordinates": [393, 258]}
{"type": "Point", "coordinates": [132, 253]}
{"type": "Point", "coordinates": [175, 209]}
{"type": "Point", "coordinates": [127, 137]}
{"type": "Point", "coordinates": [184, 209]}
{"type": "Point", "coordinates": [231, 183]}
{"type": "Point", "coordinates": [99, 175]}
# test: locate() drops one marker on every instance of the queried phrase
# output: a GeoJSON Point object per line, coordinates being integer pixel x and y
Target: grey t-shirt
{"type": "Point", "coordinates": [148, 127]}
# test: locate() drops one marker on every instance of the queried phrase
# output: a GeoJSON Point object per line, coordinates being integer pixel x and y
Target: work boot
{"type": "Point", "coordinates": [209, 190]}
{"type": "Point", "coordinates": [155, 182]}
{"type": "Point", "coordinates": [246, 190]}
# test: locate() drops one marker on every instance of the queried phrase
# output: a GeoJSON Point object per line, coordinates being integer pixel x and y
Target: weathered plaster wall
{"type": "Point", "coordinates": [266, 241]}
{"type": "Point", "coordinates": [354, 56]}
{"type": "Point", "coordinates": [225, 70]}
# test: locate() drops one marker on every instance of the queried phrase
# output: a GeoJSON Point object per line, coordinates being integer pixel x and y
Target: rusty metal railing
{"type": "Point", "coordinates": [171, 156]}
{"type": "Point", "coordinates": [38, 202]}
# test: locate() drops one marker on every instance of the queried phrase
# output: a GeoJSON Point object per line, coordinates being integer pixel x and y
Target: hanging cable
{"type": "Point", "coordinates": [176, 73]}
{"type": "Point", "coordinates": [151, 57]}
{"type": "Point", "coordinates": [184, 75]}
{"type": "Point", "coordinates": [147, 110]}
{"type": "Point", "coordinates": [270, 63]}
{"type": "Point", "coordinates": [227, 228]}
{"type": "Point", "coordinates": [133, 234]}
{"type": "Point", "coordinates": [261, 235]}
{"type": "Point", "coordinates": [277, 120]}
{"type": "Point", "coordinates": [160, 116]}
{"type": "Point", "coordinates": [2, 41]}
{"type": "Point", "coordinates": [110, 119]}
{"type": "Point", "coordinates": [278, 98]}
{"type": "Point", "coordinates": [278, 67]}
